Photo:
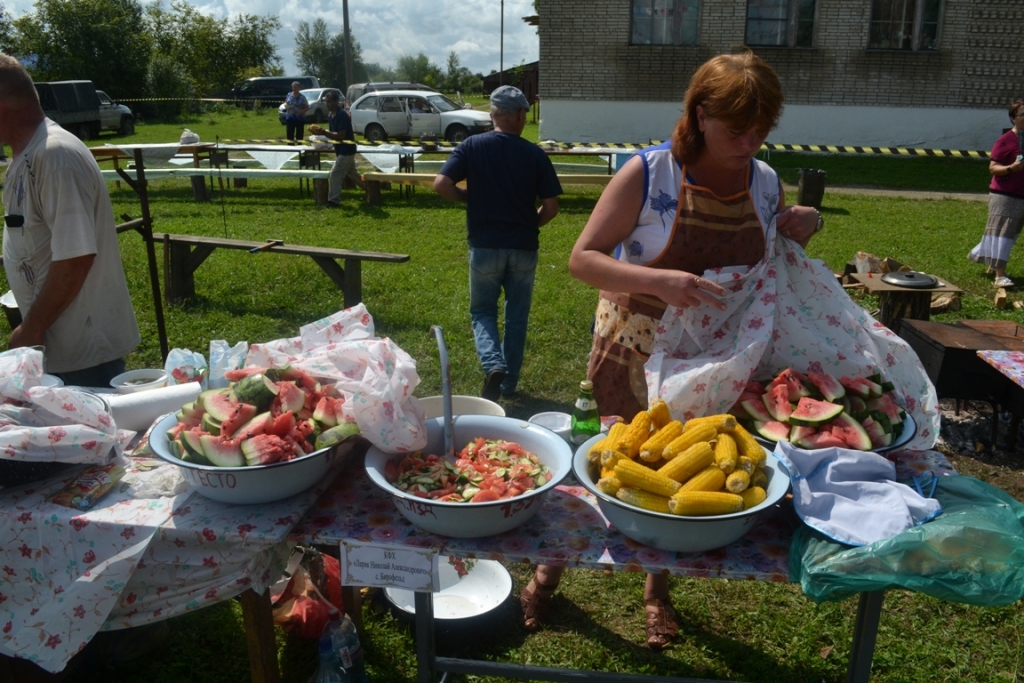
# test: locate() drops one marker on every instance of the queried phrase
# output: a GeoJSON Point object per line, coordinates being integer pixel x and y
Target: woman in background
{"type": "Point", "coordinates": [295, 106]}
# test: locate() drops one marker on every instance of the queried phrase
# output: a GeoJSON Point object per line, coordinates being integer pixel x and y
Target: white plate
{"type": "Point", "coordinates": [909, 430]}
{"type": "Point", "coordinates": [484, 588]}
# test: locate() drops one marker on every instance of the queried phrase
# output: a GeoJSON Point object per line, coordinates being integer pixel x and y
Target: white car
{"type": "Point", "coordinates": [115, 116]}
{"type": "Point", "coordinates": [378, 116]}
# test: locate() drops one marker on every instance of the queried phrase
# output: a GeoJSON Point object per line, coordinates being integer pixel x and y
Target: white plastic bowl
{"type": "Point", "coordinates": [475, 520]}
{"type": "Point", "coordinates": [246, 485]}
{"type": "Point", "coordinates": [433, 406]}
{"type": "Point", "coordinates": [139, 380]}
{"type": "Point", "coordinates": [674, 532]}
{"type": "Point", "coordinates": [559, 423]}
{"type": "Point", "coordinates": [51, 381]}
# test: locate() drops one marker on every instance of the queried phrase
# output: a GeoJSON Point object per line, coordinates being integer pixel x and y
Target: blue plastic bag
{"type": "Point", "coordinates": [973, 553]}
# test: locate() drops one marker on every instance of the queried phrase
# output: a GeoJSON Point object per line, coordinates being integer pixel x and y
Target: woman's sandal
{"type": "Point", "coordinates": [662, 624]}
{"type": "Point", "coordinates": [534, 600]}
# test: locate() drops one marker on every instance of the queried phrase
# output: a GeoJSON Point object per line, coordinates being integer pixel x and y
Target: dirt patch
{"type": "Point", "coordinates": [966, 439]}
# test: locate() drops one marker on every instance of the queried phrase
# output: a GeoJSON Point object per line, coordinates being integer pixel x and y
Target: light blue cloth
{"type": "Point", "coordinates": [852, 496]}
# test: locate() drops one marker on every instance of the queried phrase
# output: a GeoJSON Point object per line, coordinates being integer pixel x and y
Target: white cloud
{"type": "Point", "coordinates": [387, 29]}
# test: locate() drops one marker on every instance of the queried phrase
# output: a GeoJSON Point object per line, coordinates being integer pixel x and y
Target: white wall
{"type": "Point", "coordinates": [933, 128]}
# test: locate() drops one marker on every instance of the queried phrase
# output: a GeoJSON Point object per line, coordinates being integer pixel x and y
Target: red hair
{"type": "Point", "coordinates": [739, 89]}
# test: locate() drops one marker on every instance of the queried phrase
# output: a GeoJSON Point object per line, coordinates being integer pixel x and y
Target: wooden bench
{"type": "Point", "coordinates": [374, 181]}
{"type": "Point", "coordinates": [183, 254]}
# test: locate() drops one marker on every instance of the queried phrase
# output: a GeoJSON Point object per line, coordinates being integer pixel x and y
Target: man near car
{"type": "Point", "coordinates": [505, 176]}
{"type": "Point", "coordinates": [60, 246]}
{"type": "Point", "coordinates": [339, 129]}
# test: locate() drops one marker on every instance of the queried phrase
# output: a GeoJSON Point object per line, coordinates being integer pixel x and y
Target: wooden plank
{"type": "Point", "coordinates": [303, 250]}
{"type": "Point", "coordinates": [258, 618]}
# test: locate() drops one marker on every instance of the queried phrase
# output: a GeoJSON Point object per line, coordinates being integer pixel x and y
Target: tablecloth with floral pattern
{"type": "Point", "coordinates": [1010, 363]}
{"type": "Point", "coordinates": [568, 531]}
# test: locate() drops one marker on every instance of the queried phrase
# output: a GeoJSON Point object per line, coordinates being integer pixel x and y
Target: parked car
{"type": "Point", "coordinates": [317, 104]}
{"type": "Point", "coordinates": [269, 90]}
{"type": "Point", "coordinates": [114, 116]}
{"type": "Point", "coordinates": [73, 105]}
{"type": "Point", "coordinates": [378, 116]}
{"type": "Point", "coordinates": [357, 90]}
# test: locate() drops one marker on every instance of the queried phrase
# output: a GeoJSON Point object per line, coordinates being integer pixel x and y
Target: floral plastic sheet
{"type": "Point", "coordinates": [972, 553]}
{"type": "Point", "coordinates": [375, 376]}
{"type": "Point", "coordinates": [50, 424]}
{"type": "Point", "coordinates": [787, 311]}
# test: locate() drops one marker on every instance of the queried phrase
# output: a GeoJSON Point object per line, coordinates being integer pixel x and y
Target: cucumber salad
{"type": "Point", "coordinates": [483, 471]}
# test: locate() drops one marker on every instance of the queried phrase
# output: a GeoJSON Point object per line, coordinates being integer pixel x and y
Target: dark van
{"type": "Point", "coordinates": [269, 90]}
{"type": "Point", "coordinates": [72, 104]}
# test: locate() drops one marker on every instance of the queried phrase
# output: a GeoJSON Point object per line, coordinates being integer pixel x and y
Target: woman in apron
{"type": "Point", "coordinates": [697, 202]}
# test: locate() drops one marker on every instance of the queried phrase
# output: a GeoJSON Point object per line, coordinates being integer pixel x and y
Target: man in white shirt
{"type": "Point", "coordinates": [60, 249]}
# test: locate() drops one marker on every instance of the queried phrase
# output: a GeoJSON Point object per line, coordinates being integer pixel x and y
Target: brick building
{"type": "Point", "coordinates": [921, 73]}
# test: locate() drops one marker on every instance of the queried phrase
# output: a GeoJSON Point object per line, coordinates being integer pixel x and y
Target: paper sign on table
{"type": "Point", "coordinates": [367, 564]}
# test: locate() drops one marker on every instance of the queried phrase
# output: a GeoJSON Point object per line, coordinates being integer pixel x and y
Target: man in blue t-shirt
{"type": "Point", "coordinates": [339, 129]}
{"type": "Point", "coordinates": [505, 175]}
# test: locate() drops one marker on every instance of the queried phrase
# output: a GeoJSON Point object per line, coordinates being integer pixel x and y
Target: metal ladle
{"type": "Point", "coordinates": [446, 391]}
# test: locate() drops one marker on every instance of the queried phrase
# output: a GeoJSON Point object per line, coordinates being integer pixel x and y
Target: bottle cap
{"type": "Point", "coordinates": [587, 385]}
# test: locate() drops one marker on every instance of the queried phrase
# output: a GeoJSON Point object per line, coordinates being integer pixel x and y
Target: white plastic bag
{"type": "Point", "coordinates": [224, 358]}
{"type": "Point", "coordinates": [184, 366]}
{"type": "Point", "coordinates": [189, 138]}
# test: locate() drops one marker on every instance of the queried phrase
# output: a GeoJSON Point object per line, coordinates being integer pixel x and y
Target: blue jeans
{"type": "Point", "coordinates": [490, 271]}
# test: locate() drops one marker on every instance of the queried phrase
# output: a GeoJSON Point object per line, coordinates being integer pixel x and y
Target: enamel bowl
{"type": "Point", "coordinates": [251, 484]}
{"type": "Point", "coordinates": [433, 406]}
{"type": "Point", "coordinates": [675, 532]}
{"type": "Point", "coordinates": [139, 380]}
{"type": "Point", "coordinates": [475, 520]}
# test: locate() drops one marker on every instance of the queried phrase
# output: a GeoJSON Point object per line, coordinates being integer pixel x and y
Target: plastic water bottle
{"type": "Point", "coordinates": [347, 649]}
{"type": "Point", "coordinates": [586, 421]}
{"type": "Point", "coordinates": [329, 671]}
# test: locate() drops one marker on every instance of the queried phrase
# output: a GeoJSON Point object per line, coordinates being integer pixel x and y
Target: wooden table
{"type": "Point", "coordinates": [1010, 365]}
{"type": "Point", "coordinates": [896, 303]}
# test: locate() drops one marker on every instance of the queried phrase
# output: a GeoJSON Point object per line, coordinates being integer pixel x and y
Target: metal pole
{"type": "Point", "coordinates": [501, 53]}
{"type": "Point", "coordinates": [348, 45]}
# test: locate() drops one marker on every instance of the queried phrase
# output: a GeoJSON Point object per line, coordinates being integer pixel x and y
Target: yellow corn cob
{"type": "Point", "coordinates": [637, 476]}
{"type": "Point", "coordinates": [609, 485]}
{"type": "Point", "coordinates": [747, 444]}
{"type": "Point", "coordinates": [642, 499]}
{"type": "Point", "coordinates": [688, 438]}
{"type": "Point", "coordinates": [614, 432]}
{"type": "Point", "coordinates": [753, 496]}
{"type": "Point", "coordinates": [746, 464]}
{"type": "Point", "coordinates": [609, 457]}
{"type": "Point", "coordinates": [659, 413]}
{"type": "Point", "coordinates": [690, 462]}
{"type": "Point", "coordinates": [723, 422]}
{"type": "Point", "coordinates": [725, 453]}
{"type": "Point", "coordinates": [634, 437]}
{"type": "Point", "coordinates": [651, 450]}
{"type": "Point", "coordinates": [704, 503]}
{"type": "Point", "coordinates": [607, 472]}
{"type": "Point", "coordinates": [709, 479]}
{"type": "Point", "coordinates": [759, 478]}
{"type": "Point", "coordinates": [737, 482]}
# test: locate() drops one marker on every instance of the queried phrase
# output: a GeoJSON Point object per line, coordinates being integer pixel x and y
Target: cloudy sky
{"type": "Point", "coordinates": [387, 29]}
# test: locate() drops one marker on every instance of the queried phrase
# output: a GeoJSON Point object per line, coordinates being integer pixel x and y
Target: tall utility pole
{"type": "Point", "coordinates": [501, 53]}
{"type": "Point", "coordinates": [348, 45]}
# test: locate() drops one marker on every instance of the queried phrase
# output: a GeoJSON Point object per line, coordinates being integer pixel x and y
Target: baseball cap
{"type": "Point", "coordinates": [509, 98]}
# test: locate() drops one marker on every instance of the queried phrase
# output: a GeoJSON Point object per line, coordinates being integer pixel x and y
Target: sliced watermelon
{"type": "Point", "coordinates": [290, 398]}
{"type": "Point", "coordinates": [810, 412]}
{"type": "Point", "coordinates": [755, 409]}
{"type": "Point", "coordinates": [822, 440]}
{"type": "Point", "coordinates": [241, 415]}
{"type": "Point", "coordinates": [754, 387]}
{"type": "Point", "coordinates": [222, 452]}
{"type": "Point", "coordinates": [876, 433]}
{"type": "Point", "coordinates": [777, 403]}
{"type": "Point", "coordinates": [218, 403]}
{"type": "Point", "coordinates": [324, 413]}
{"type": "Point", "coordinates": [257, 425]}
{"type": "Point", "coordinates": [798, 434]}
{"type": "Point", "coordinates": [240, 373]}
{"type": "Point", "coordinates": [773, 430]}
{"type": "Point", "coordinates": [860, 386]}
{"type": "Point", "coordinates": [886, 404]}
{"type": "Point", "coordinates": [858, 406]}
{"type": "Point", "coordinates": [190, 442]}
{"type": "Point", "coordinates": [793, 382]}
{"type": "Point", "coordinates": [334, 435]}
{"type": "Point", "coordinates": [851, 432]}
{"type": "Point", "coordinates": [256, 389]}
{"type": "Point", "coordinates": [828, 386]}
{"type": "Point", "coordinates": [210, 425]}
{"type": "Point", "coordinates": [264, 449]}
{"type": "Point", "coordinates": [283, 424]}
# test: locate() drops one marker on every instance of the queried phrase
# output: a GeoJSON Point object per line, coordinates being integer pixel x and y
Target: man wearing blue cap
{"type": "Point", "coordinates": [505, 176]}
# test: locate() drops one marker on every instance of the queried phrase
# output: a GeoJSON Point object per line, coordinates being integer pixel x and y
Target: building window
{"type": "Point", "coordinates": [780, 23]}
{"type": "Point", "coordinates": [905, 24]}
{"type": "Point", "coordinates": [665, 22]}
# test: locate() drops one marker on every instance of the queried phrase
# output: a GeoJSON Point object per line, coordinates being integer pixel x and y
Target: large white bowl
{"type": "Point", "coordinates": [484, 588]}
{"type": "Point", "coordinates": [675, 532]}
{"type": "Point", "coordinates": [246, 485]}
{"type": "Point", "coordinates": [474, 520]}
{"type": "Point", "coordinates": [139, 380]}
{"type": "Point", "coordinates": [433, 406]}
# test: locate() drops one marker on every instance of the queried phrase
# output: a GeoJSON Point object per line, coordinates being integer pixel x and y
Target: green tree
{"type": "Point", "coordinates": [215, 53]}
{"type": "Point", "coordinates": [104, 41]}
{"type": "Point", "coordinates": [419, 69]}
{"type": "Point", "coordinates": [168, 78]}
{"type": "Point", "coordinates": [459, 79]}
{"type": "Point", "coordinates": [6, 32]}
{"type": "Point", "coordinates": [318, 53]}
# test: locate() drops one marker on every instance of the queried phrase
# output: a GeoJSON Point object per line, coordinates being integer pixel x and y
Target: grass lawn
{"type": "Point", "coordinates": [733, 630]}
